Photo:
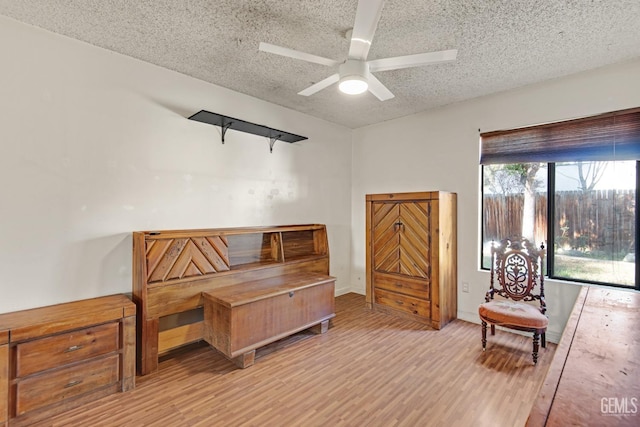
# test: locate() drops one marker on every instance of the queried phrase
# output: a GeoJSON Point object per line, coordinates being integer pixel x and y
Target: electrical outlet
{"type": "Point", "coordinates": [465, 287]}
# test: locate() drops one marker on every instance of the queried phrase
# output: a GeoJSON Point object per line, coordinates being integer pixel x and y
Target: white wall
{"type": "Point", "coordinates": [96, 145]}
{"type": "Point", "coordinates": [439, 150]}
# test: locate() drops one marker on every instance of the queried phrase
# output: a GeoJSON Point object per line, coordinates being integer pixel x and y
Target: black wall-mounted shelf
{"type": "Point", "coordinates": [226, 123]}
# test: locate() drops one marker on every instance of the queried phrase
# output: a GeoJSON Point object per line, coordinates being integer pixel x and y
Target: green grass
{"type": "Point", "coordinates": [595, 270]}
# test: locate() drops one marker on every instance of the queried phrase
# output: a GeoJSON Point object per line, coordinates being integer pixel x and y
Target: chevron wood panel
{"type": "Point", "coordinates": [415, 214]}
{"type": "Point", "coordinates": [154, 252]}
{"type": "Point", "coordinates": [386, 240]}
{"type": "Point", "coordinates": [387, 256]}
{"type": "Point", "coordinates": [402, 248]}
{"type": "Point", "coordinates": [170, 259]}
{"type": "Point", "coordinates": [385, 214]}
{"type": "Point", "coordinates": [414, 245]}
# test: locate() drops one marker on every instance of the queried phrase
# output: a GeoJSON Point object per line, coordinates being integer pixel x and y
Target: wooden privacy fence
{"type": "Point", "coordinates": [599, 220]}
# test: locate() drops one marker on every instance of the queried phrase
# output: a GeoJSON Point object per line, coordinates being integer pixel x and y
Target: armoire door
{"type": "Point", "coordinates": [400, 240]}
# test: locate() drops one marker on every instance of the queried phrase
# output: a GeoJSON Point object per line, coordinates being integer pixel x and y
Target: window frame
{"type": "Point", "coordinates": [550, 256]}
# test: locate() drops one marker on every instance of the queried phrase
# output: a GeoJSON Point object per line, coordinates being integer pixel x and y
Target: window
{"type": "Point", "coordinates": [571, 185]}
{"type": "Point", "coordinates": [514, 203]}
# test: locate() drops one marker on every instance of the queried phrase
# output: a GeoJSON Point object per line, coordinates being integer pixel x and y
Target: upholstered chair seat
{"type": "Point", "coordinates": [511, 313]}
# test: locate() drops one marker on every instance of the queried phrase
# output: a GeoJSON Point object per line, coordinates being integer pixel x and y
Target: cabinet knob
{"type": "Point", "coordinates": [291, 294]}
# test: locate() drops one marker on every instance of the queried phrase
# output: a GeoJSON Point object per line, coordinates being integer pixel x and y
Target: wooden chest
{"type": "Point", "coordinates": [240, 319]}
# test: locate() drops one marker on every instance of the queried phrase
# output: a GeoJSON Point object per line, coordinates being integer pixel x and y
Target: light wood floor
{"type": "Point", "coordinates": [369, 369]}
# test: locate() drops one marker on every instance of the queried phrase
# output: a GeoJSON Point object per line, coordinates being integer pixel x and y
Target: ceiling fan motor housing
{"type": "Point", "coordinates": [354, 68]}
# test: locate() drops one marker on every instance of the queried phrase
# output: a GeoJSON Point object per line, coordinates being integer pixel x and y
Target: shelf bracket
{"type": "Point", "coordinates": [225, 127]}
{"type": "Point", "coordinates": [272, 141]}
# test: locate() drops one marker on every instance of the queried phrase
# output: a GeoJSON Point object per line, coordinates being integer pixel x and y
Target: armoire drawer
{"type": "Point", "coordinates": [418, 288]}
{"type": "Point", "coordinates": [55, 386]}
{"type": "Point", "coordinates": [404, 303]}
{"type": "Point", "coordinates": [45, 353]}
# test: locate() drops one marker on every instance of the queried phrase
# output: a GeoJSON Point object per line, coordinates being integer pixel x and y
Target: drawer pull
{"type": "Point", "coordinates": [72, 383]}
{"type": "Point", "coordinates": [291, 294]}
{"type": "Point", "coordinates": [73, 348]}
{"type": "Point", "coordinates": [399, 302]}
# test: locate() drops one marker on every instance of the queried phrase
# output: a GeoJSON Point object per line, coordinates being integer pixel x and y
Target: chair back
{"type": "Point", "coordinates": [516, 264]}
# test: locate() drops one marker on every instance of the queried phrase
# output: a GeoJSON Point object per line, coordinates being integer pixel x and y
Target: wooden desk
{"type": "Point", "coordinates": [594, 378]}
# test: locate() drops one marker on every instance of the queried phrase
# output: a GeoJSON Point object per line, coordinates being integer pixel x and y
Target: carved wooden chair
{"type": "Point", "coordinates": [516, 264]}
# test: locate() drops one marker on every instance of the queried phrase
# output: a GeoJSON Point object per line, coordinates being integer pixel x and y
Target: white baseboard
{"type": "Point", "coordinates": [342, 291]}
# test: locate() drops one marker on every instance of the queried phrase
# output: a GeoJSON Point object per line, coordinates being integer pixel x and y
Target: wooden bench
{"type": "Point", "coordinates": [238, 320]}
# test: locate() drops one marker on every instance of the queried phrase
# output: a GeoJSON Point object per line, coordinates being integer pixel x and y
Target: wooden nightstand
{"type": "Point", "coordinates": [58, 357]}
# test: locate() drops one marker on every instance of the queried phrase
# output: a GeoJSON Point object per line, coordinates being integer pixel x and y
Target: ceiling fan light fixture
{"type": "Point", "coordinates": [353, 85]}
{"type": "Point", "coordinates": [353, 77]}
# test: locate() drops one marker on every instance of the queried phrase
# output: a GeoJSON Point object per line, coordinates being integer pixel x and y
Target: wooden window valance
{"type": "Point", "coordinates": [609, 136]}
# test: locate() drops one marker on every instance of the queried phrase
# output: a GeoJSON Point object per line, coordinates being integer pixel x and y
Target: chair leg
{"type": "Point", "coordinates": [493, 329]}
{"type": "Point", "coordinates": [544, 340]}
{"type": "Point", "coordinates": [536, 339]}
{"type": "Point", "coordinates": [484, 335]}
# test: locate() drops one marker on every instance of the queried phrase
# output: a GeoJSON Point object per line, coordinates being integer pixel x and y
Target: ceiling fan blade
{"type": "Point", "coordinates": [320, 85]}
{"type": "Point", "coordinates": [296, 54]}
{"type": "Point", "coordinates": [378, 89]}
{"type": "Point", "coordinates": [367, 17]}
{"type": "Point", "coordinates": [412, 60]}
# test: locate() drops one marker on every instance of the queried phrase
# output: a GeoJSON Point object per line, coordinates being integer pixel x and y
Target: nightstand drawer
{"type": "Point", "coordinates": [42, 390]}
{"type": "Point", "coordinates": [59, 350]}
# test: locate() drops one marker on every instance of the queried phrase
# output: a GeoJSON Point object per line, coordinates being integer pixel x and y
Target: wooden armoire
{"type": "Point", "coordinates": [412, 255]}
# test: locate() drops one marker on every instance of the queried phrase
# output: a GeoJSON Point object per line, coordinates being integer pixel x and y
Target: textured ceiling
{"type": "Point", "coordinates": [502, 44]}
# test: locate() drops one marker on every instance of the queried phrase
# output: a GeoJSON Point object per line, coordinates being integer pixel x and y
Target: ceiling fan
{"type": "Point", "coordinates": [354, 74]}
